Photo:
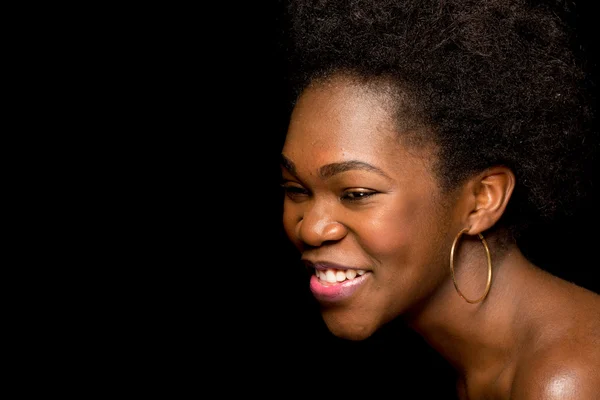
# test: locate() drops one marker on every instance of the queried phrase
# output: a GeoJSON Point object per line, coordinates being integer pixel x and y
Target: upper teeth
{"type": "Point", "coordinates": [337, 275]}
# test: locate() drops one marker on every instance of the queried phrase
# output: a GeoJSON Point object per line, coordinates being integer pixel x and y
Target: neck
{"type": "Point", "coordinates": [477, 338]}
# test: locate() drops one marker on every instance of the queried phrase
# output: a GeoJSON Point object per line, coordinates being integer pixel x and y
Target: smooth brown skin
{"type": "Point", "coordinates": [535, 336]}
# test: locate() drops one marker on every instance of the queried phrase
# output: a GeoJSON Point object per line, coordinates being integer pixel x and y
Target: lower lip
{"type": "Point", "coordinates": [335, 292]}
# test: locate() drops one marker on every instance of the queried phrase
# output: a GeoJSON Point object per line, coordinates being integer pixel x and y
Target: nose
{"type": "Point", "coordinates": [317, 226]}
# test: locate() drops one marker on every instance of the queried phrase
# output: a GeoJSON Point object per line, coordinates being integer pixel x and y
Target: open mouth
{"type": "Point", "coordinates": [331, 275]}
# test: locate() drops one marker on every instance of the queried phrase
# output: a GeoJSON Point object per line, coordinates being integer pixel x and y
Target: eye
{"type": "Point", "coordinates": [357, 195]}
{"type": "Point", "coordinates": [293, 191]}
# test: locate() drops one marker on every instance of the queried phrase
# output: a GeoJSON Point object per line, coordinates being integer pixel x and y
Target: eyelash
{"type": "Point", "coordinates": [361, 195]}
{"type": "Point", "coordinates": [348, 195]}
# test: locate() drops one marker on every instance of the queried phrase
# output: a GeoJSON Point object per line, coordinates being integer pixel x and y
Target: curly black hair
{"type": "Point", "coordinates": [498, 81]}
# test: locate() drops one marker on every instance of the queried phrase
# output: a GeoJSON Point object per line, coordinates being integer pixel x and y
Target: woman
{"type": "Point", "coordinates": [428, 138]}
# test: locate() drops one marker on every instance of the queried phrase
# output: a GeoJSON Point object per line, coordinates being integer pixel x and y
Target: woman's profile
{"type": "Point", "coordinates": [426, 141]}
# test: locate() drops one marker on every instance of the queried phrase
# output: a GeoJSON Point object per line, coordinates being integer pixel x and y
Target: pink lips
{"type": "Point", "coordinates": [334, 292]}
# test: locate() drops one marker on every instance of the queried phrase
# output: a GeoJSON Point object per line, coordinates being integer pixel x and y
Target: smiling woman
{"type": "Point", "coordinates": [359, 191]}
{"type": "Point", "coordinates": [428, 139]}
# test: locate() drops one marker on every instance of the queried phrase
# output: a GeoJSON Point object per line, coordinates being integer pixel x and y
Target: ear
{"type": "Point", "coordinates": [490, 193]}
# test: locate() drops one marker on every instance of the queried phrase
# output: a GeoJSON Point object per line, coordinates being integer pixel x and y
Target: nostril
{"type": "Point", "coordinates": [334, 231]}
{"type": "Point", "coordinates": [319, 232]}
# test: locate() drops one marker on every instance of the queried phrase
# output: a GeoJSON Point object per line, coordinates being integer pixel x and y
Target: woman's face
{"type": "Point", "coordinates": [365, 212]}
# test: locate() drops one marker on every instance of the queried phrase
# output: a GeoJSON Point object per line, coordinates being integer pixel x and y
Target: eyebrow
{"type": "Point", "coordinates": [329, 170]}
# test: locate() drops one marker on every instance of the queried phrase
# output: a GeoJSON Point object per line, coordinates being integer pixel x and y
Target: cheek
{"type": "Point", "coordinates": [385, 233]}
{"type": "Point", "coordinates": [399, 234]}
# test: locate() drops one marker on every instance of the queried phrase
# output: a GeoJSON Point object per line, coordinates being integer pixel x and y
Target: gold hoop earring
{"type": "Point", "coordinates": [489, 262]}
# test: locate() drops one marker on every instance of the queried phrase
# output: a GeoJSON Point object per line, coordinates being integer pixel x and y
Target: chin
{"type": "Point", "coordinates": [349, 328]}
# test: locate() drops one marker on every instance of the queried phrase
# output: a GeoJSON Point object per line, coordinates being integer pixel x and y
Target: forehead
{"type": "Point", "coordinates": [342, 120]}
{"type": "Point", "coordinates": [340, 113]}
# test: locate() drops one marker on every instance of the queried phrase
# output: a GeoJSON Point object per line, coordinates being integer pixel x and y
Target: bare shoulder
{"type": "Point", "coordinates": [559, 355]}
{"type": "Point", "coordinates": [565, 368]}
